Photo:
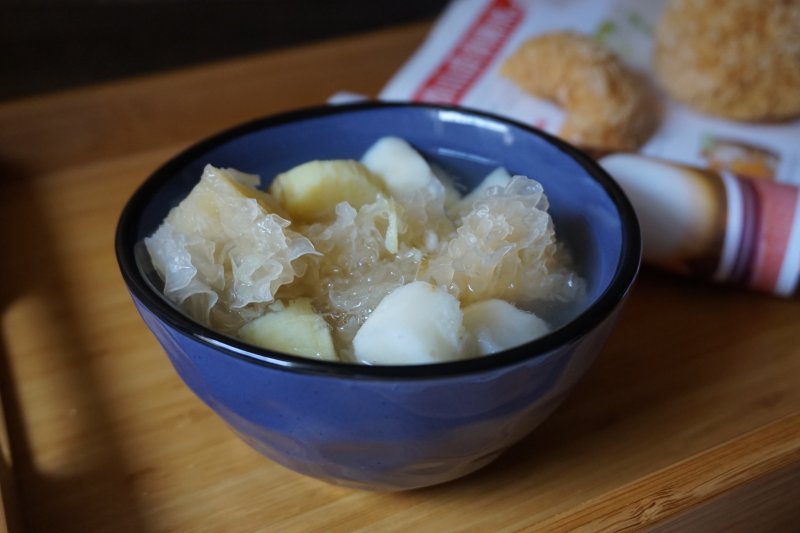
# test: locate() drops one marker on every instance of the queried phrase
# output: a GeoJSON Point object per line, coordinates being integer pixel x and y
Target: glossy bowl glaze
{"type": "Point", "coordinates": [391, 427]}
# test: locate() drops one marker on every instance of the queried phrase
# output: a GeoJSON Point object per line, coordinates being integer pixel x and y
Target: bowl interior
{"type": "Point", "coordinates": [590, 212]}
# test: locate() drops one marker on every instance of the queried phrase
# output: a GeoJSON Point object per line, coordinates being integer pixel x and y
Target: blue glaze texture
{"type": "Point", "coordinates": [392, 428]}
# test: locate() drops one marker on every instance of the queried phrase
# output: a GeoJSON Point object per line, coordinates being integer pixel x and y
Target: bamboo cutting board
{"type": "Point", "coordinates": [690, 419]}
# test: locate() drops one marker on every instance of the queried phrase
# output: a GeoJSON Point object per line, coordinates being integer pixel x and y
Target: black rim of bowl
{"type": "Point", "coordinates": [126, 239]}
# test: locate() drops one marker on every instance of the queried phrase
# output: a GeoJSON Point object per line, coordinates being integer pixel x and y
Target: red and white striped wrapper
{"type": "Point", "coordinates": [712, 224]}
{"type": "Point", "coordinates": [762, 240]}
{"type": "Point", "coordinates": [471, 55]}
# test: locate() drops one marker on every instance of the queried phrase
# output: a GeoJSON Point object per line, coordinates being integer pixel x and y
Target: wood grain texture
{"type": "Point", "coordinates": [690, 414]}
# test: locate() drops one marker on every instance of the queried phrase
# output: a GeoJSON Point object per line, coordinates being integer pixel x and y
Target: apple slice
{"type": "Point", "coordinates": [499, 177]}
{"type": "Point", "coordinates": [295, 329]}
{"type": "Point", "coordinates": [401, 168]}
{"type": "Point", "coordinates": [311, 191]}
{"type": "Point", "coordinates": [496, 325]}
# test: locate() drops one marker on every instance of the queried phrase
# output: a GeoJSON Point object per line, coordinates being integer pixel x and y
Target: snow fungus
{"type": "Point", "coordinates": [230, 254]}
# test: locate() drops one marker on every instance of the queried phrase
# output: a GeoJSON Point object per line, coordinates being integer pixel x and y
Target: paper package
{"type": "Point", "coordinates": [753, 166]}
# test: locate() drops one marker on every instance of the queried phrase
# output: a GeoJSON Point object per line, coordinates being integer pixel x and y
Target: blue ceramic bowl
{"type": "Point", "coordinates": [391, 427]}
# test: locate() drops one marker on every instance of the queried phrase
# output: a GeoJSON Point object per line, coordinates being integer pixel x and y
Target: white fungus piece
{"type": "Point", "coordinates": [223, 252]}
{"type": "Point", "coordinates": [505, 247]}
{"type": "Point", "coordinates": [363, 258]}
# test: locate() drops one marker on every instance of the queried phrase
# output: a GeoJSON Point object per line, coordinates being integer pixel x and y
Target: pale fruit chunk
{"type": "Point", "coordinates": [452, 194]}
{"type": "Point", "coordinates": [499, 177]}
{"type": "Point", "coordinates": [401, 168]}
{"type": "Point", "coordinates": [496, 325]}
{"type": "Point", "coordinates": [311, 191]}
{"type": "Point", "coordinates": [412, 182]}
{"type": "Point", "coordinates": [414, 324]}
{"type": "Point", "coordinates": [295, 329]}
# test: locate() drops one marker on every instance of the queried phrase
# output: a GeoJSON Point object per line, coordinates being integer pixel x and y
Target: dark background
{"type": "Point", "coordinates": [47, 45]}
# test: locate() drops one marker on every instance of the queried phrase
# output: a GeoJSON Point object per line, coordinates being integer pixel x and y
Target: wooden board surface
{"type": "Point", "coordinates": [691, 416]}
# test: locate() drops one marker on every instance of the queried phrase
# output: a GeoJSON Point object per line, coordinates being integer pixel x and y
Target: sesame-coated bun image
{"type": "Point", "coordinates": [737, 59]}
